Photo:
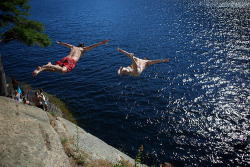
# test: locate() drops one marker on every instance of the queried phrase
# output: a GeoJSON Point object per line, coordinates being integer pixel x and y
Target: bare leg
{"type": "Point", "coordinates": [40, 69]}
{"type": "Point", "coordinates": [58, 68]}
{"type": "Point", "coordinates": [130, 55]}
{"type": "Point", "coordinates": [54, 68]}
{"type": "Point", "coordinates": [120, 71]}
{"type": "Point", "coordinates": [46, 107]}
{"type": "Point", "coordinates": [134, 65]}
{"type": "Point", "coordinates": [47, 65]}
{"type": "Point", "coordinates": [51, 68]}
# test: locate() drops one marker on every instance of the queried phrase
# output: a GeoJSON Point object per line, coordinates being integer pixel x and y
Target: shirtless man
{"type": "Point", "coordinates": [37, 100]}
{"type": "Point", "coordinates": [138, 65]}
{"type": "Point", "coordinates": [66, 64]}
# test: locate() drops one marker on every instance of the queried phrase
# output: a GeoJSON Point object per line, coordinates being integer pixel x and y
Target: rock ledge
{"type": "Point", "coordinates": [30, 137]}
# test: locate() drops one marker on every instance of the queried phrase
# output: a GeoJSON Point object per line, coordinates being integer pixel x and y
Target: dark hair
{"type": "Point", "coordinates": [14, 82]}
{"type": "Point", "coordinates": [81, 45]}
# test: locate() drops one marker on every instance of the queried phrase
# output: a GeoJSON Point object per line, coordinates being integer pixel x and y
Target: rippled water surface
{"type": "Point", "coordinates": [192, 111]}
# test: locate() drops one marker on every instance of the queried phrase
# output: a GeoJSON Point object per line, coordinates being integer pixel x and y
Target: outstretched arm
{"type": "Point", "coordinates": [95, 45]}
{"type": "Point", "coordinates": [64, 44]}
{"type": "Point", "coordinates": [130, 55]}
{"type": "Point", "coordinates": [126, 53]}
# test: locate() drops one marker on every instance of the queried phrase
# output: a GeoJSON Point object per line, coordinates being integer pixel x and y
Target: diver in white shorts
{"type": "Point", "coordinates": [138, 65]}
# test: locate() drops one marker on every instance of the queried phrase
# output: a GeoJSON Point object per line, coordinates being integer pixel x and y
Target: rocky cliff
{"type": "Point", "coordinates": [31, 137]}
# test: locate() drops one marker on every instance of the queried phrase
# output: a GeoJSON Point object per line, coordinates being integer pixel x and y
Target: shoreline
{"type": "Point", "coordinates": [33, 137]}
{"type": "Point", "coordinates": [92, 150]}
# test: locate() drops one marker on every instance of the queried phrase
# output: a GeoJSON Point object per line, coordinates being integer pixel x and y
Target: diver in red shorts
{"type": "Point", "coordinates": [66, 64]}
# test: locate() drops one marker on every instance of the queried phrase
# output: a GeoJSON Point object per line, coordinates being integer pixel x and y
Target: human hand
{"type": "Point", "coordinates": [105, 41]}
{"type": "Point", "coordinates": [58, 43]}
{"type": "Point", "coordinates": [167, 60]}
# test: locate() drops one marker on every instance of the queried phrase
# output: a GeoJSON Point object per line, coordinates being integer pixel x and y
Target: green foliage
{"type": "Point", "coordinates": [79, 158]}
{"type": "Point", "coordinates": [16, 26]}
{"type": "Point", "coordinates": [63, 140]}
{"type": "Point", "coordinates": [57, 102]}
{"type": "Point", "coordinates": [120, 164]}
{"type": "Point", "coordinates": [77, 139]}
{"type": "Point", "coordinates": [138, 157]}
{"type": "Point", "coordinates": [52, 113]}
{"type": "Point", "coordinates": [77, 153]}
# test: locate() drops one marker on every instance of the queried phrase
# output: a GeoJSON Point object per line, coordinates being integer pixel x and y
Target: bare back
{"type": "Point", "coordinates": [76, 53]}
{"type": "Point", "coordinates": [37, 100]}
{"type": "Point", "coordinates": [142, 64]}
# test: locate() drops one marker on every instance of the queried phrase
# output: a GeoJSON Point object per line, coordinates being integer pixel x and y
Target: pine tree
{"type": "Point", "coordinates": [14, 25]}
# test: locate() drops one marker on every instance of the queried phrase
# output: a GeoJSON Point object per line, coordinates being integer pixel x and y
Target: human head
{"type": "Point", "coordinates": [14, 82]}
{"type": "Point", "coordinates": [81, 45]}
{"type": "Point", "coordinates": [41, 90]}
{"type": "Point", "coordinates": [36, 93]}
{"type": "Point", "coordinates": [24, 100]}
{"type": "Point", "coordinates": [166, 164]}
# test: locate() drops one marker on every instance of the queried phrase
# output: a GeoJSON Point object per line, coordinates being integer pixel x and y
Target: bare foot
{"type": "Point", "coordinates": [38, 68]}
{"type": "Point", "coordinates": [119, 50]}
{"type": "Point", "coordinates": [37, 71]}
{"type": "Point", "coordinates": [167, 60]}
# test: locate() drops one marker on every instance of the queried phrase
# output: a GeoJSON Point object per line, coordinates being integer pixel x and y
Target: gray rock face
{"type": "Point", "coordinates": [26, 137]}
{"type": "Point", "coordinates": [95, 148]}
{"type": "Point", "coordinates": [28, 140]}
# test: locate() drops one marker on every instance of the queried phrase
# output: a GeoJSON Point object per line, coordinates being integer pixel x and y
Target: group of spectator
{"type": "Point", "coordinates": [39, 99]}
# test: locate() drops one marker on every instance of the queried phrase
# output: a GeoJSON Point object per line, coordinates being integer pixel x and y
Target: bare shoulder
{"type": "Point", "coordinates": [75, 48]}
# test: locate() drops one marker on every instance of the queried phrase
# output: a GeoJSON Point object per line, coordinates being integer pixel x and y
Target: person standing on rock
{"type": "Point", "coordinates": [16, 86]}
{"type": "Point", "coordinates": [67, 63]}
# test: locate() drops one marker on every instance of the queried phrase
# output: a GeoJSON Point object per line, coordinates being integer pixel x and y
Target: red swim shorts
{"type": "Point", "coordinates": [67, 62]}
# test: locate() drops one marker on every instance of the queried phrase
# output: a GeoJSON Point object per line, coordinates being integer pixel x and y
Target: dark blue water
{"type": "Point", "coordinates": [192, 111]}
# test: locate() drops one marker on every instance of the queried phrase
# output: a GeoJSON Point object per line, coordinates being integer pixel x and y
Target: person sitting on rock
{"type": "Point", "coordinates": [18, 96]}
{"type": "Point", "coordinates": [25, 101]}
{"type": "Point", "coordinates": [37, 100]}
